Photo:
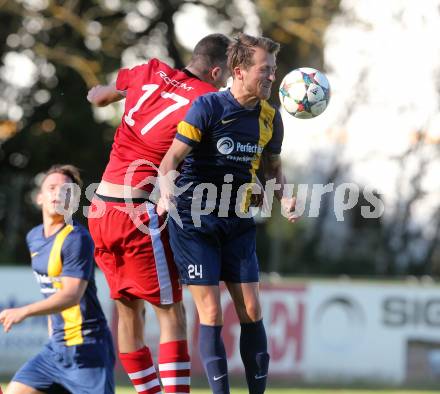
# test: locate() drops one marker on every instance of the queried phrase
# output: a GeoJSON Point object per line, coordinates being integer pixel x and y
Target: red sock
{"type": "Point", "coordinates": [140, 369]}
{"type": "Point", "coordinates": [175, 367]}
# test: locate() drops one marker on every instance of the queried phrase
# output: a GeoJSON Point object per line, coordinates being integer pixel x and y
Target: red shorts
{"type": "Point", "coordinates": [132, 252]}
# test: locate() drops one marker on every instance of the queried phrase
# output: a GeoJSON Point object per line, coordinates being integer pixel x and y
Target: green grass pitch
{"type": "Point", "coordinates": [130, 390]}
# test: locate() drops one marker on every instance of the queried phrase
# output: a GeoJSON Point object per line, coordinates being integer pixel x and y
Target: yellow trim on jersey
{"type": "Point", "coordinates": [72, 316]}
{"type": "Point", "coordinates": [189, 131]}
{"type": "Point", "coordinates": [265, 121]}
{"type": "Point", "coordinates": [55, 265]}
{"type": "Point", "coordinates": [72, 325]}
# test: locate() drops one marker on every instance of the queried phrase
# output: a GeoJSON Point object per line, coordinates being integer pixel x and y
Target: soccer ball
{"type": "Point", "coordinates": [305, 93]}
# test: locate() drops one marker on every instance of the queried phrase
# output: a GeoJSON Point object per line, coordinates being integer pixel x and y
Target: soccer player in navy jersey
{"type": "Point", "coordinates": [221, 141]}
{"type": "Point", "coordinates": [79, 357]}
{"type": "Point", "coordinates": [138, 265]}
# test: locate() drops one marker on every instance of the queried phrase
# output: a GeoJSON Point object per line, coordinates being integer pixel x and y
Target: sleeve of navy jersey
{"type": "Point", "coordinates": [275, 143]}
{"type": "Point", "coordinates": [77, 255]}
{"type": "Point", "coordinates": [196, 122]}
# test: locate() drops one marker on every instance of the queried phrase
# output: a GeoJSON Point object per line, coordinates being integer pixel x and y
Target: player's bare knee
{"type": "Point", "coordinates": [182, 316]}
{"type": "Point", "coordinates": [130, 313]}
{"type": "Point", "coordinates": [128, 308]}
{"type": "Point", "coordinates": [171, 318]}
{"type": "Point", "coordinates": [179, 310]}
{"type": "Point", "coordinates": [250, 312]}
{"type": "Point", "coordinates": [211, 314]}
{"type": "Point", "coordinates": [178, 316]}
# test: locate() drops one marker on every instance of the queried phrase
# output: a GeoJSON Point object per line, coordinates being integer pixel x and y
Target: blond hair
{"type": "Point", "coordinates": [241, 50]}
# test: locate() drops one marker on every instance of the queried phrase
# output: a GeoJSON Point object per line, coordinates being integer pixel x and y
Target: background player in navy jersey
{"type": "Point", "coordinates": [139, 265]}
{"type": "Point", "coordinates": [79, 357]}
{"type": "Point", "coordinates": [222, 140]}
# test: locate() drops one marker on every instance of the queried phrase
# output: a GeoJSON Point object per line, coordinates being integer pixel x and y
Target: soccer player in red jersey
{"type": "Point", "coordinates": [138, 265]}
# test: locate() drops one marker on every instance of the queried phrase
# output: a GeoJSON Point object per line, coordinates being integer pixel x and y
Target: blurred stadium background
{"type": "Point", "coordinates": [348, 300]}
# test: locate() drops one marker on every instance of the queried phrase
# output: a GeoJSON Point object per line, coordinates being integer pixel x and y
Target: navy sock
{"type": "Point", "coordinates": [213, 355]}
{"type": "Point", "coordinates": [253, 350]}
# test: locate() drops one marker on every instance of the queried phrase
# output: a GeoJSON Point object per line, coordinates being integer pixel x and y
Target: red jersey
{"type": "Point", "coordinates": [157, 99]}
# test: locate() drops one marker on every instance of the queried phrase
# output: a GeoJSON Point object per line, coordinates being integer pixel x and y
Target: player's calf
{"type": "Point", "coordinates": [253, 350]}
{"type": "Point", "coordinates": [141, 371]}
{"type": "Point", "coordinates": [213, 355]}
{"type": "Point", "coordinates": [175, 366]}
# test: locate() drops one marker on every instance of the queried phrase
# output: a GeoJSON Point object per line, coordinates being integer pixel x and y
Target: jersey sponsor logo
{"type": "Point", "coordinates": [173, 82]}
{"type": "Point", "coordinates": [249, 148]}
{"type": "Point", "coordinates": [46, 279]}
{"type": "Point", "coordinates": [226, 121]}
{"type": "Point", "coordinates": [48, 290]}
{"type": "Point", "coordinates": [225, 145]}
{"type": "Point", "coordinates": [240, 159]}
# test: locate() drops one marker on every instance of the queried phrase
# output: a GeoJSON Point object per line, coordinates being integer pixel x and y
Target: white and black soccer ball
{"type": "Point", "coordinates": [305, 93]}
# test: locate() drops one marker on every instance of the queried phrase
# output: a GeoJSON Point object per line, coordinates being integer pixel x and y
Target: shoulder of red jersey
{"type": "Point", "coordinates": [182, 79]}
{"type": "Point", "coordinates": [126, 76]}
{"type": "Point", "coordinates": [156, 69]}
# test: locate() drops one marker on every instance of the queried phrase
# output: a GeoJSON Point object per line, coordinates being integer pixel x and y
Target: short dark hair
{"type": "Point", "coordinates": [68, 170]}
{"type": "Point", "coordinates": [211, 50]}
{"type": "Point", "coordinates": [241, 50]}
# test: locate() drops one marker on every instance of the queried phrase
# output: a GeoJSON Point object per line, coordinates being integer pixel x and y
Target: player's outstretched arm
{"type": "Point", "coordinates": [167, 173]}
{"type": "Point", "coordinates": [102, 95]}
{"type": "Point", "coordinates": [274, 170]}
{"type": "Point", "coordinates": [69, 295]}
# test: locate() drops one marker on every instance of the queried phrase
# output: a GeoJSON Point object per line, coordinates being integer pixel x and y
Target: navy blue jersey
{"type": "Point", "coordinates": [69, 252]}
{"type": "Point", "coordinates": [228, 141]}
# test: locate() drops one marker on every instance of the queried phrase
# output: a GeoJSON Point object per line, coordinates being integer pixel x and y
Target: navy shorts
{"type": "Point", "coordinates": [220, 249]}
{"type": "Point", "coordinates": [81, 369]}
